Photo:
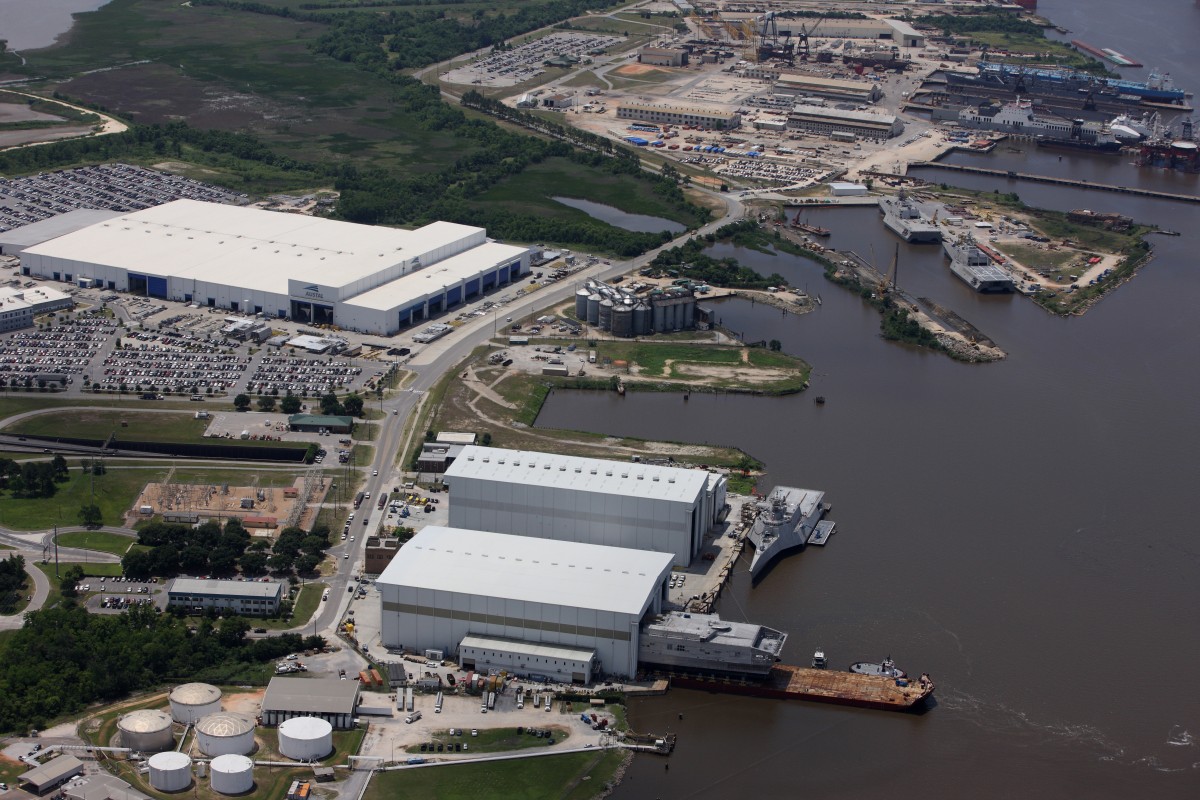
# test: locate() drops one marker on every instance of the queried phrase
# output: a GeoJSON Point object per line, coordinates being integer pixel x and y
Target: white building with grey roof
{"type": "Point", "coordinates": [569, 498]}
{"type": "Point", "coordinates": [248, 598]}
{"type": "Point", "coordinates": [367, 278]}
{"type": "Point", "coordinates": [448, 587]}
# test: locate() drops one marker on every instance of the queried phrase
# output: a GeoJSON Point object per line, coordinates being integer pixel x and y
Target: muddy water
{"type": "Point", "coordinates": [1022, 530]}
{"type": "Point", "coordinates": [30, 24]}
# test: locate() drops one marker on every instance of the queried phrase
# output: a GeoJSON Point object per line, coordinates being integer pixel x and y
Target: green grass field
{"type": "Point", "coordinates": [113, 543]}
{"type": "Point", "coordinates": [543, 778]}
{"type": "Point", "coordinates": [270, 478]}
{"type": "Point", "coordinates": [129, 425]}
{"type": "Point", "coordinates": [306, 603]}
{"type": "Point", "coordinates": [115, 492]}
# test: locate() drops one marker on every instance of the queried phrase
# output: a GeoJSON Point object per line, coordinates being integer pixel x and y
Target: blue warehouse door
{"type": "Point", "coordinates": [453, 296]}
{"type": "Point", "coordinates": [472, 288]}
{"type": "Point", "coordinates": [489, 280]}
{"type": "Point", "coordinates": [156, 287]}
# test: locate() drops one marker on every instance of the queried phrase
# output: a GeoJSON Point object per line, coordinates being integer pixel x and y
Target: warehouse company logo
{"type": "Point", "coordinates": [313, 291]}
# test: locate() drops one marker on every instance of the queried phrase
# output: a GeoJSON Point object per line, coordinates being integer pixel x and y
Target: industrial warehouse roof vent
{"type": "Point", "coordinates": [592, 470]}
{"type": "Point", "coordinates": [641, 477]}
{"type": "Point", "coordinates": [670, 480]}
{"type": "Point", "coordinates": [547, 466]}
{"type": "Point", "coordinates": [487, 460]}
{"type": "Point", "coordinates": [608, 472]}
{"type": "Point", "coordinates": [624, 474]}
{"type": "Point", "coordinates": [655, 479]}
{"type": "Point", "coordinates": [579, 469]}
{"type": "Point", "coordinates": [499, 460]}
{"type": "Point", "coordinates": [562, 467]}
{"type": "Point", "coordinates": [470, 458]}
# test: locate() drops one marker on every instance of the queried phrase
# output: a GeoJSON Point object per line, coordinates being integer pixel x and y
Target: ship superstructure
{"type": "Point", "coordinates": [976, 267]}
{"type": "Point", "coordinates": [906, 220]}
{"type": "Point", "coordinates": [786, 519]}
{"type": "Point", "coordinates": [706, 643]}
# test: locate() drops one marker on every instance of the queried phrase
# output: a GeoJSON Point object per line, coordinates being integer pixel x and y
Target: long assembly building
{"type": "Point", "coordinates": [366, 278]}
{"type": "Point", "coordinates": [595, 501]}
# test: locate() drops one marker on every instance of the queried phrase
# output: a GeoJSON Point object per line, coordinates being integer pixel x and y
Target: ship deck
{"type": "Point", "coordinates": [846, 687]}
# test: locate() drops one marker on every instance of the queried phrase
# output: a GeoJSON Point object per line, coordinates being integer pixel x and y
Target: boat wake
{"type": "Point", "coordinates": [1028, 731]}
{"type": "Point", "coordinates": [1180, 737]}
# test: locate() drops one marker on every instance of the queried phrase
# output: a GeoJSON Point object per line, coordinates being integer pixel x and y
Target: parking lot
{"type": "Point", "coordinates": [117, 187]}
{"type": "Point", "coordinates": [511, 67]}
{"type": "Point", "coordinates": [66, 348]}
{"type": "Point", "coordinates": [155, 362]}
{"type": "Point", "coordinates": [114, 595]}
{"type": "Point", "coordinates": [302, 376]}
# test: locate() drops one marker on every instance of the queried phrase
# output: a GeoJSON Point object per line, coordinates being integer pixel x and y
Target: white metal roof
{"type": "Point", "coordinates": [447, 272]}
{"type": "Point", "coordinates": [628, 479]}
{"type": "Point", "coordinates": [843, 114]}
{"type": "Point", "coordinates": [53, 227]}
{"type": "Point", "coordinates": [529, 569]}
{"type": "Point", "coordinates": [219, 588]}
{"type": "Point", "coordinates": [248, 248]}
{"type": "Point", "coordinates": [521, 647]}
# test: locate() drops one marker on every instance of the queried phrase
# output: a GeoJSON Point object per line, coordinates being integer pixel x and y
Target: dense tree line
{"type": "Point", "coordinates": [223, 551]}
{"type": "Point", "coordinates": [12, 581]}
{"type": "Point", "coordinates": [33, 478]}
{"type": "Point", "coordinates": [987, 22]}
{"type": "Point", "coordinates": [65, 658]}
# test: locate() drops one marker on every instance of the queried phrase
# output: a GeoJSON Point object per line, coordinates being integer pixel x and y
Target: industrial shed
{"type": "Point", "coordinates": [330, 699]}
{"type": "Point", "coordinates": [449, 584]}
{"type": "Point", "coordinates": [366, 278]}
{"type": "Point", "coordinates": [612, 503]}
{"type": "Point", "coordinates": [53, 773]}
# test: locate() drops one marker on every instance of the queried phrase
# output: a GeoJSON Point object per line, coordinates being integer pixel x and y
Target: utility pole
{"type": "Point", "coordinates": [56, 549]}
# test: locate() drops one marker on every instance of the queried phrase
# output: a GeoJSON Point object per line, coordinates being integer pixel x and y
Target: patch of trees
{"type": "Point", "coordinates": [351, 405]}
{"type": "Point", "coordinates": [64, 658]}
{"type": "Point", "coordinates": [223, 551]}
{"type": "Point", "coordinates": [33, 478]}
{"type": "Point", "coordinates": [690, 261]}
{"type": "Point", "coordinates": [12, 582]}
{"type": "Point", "coordinates": [988, 22]}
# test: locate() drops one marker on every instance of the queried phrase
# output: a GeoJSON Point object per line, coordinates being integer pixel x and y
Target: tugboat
{"type": "Point", "coordinates": [886, 668]}
{"type": "Point", "coordinates": [819, 661]}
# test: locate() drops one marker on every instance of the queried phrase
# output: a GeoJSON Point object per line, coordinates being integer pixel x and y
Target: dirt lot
{"type": "Point", "coordinates": [210, 499]}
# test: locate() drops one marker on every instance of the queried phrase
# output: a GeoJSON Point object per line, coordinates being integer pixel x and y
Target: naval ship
{"type": "Point", "coordinates": [904, 219]}
{"type": "Point", "coordinates": [705, 643]}
{"type": "Point", "coordinates": [1017, 118]}
{"type": "Point", "coordinates": [787, 519]}
{"type": "Point", "coordinates": [975, 267]}
{"type": "Point", "coordinates": [1159, 91]}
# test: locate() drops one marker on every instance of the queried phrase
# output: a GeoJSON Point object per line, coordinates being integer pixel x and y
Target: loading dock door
{"type": "Point", "coordinates": [156, 287]}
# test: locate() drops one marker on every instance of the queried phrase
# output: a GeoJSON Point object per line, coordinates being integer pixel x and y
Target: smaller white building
{"type": "Point", "coordinates": [843, 189]}
{"type": "Point", "coordinates": [527, 659]}
{"type": "Point", "coordinates": [18, 307]}
{"type": "Point", "coordinates": [248, 598]}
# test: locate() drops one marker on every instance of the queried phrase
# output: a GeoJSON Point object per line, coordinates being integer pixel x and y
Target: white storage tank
{"type": "Point", "coordinates": [231, 774]}
{"type": "Point", "coordinates": [170, 771]}
{"type": "Point", "coordinates": [191, 701]}
{"type": "Point", "coordinates": [305, 738]}
{"type": "Point", "coordinates": [147, 730]}
{"type": "Point", "coordinates": [225, 732]}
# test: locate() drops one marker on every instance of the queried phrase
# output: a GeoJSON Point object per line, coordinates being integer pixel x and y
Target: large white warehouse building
{"type": "Point", "coordinates": [364, 278]}
{"type": "Point", "coordinates": [613, 503]}
{"type": "Point", "coordinates": [447, 585]}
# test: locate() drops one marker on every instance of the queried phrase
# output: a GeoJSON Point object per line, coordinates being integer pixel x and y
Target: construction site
{"type": "Point", "coordinates": [261, 509]}
{"type": "Point", "coordinates": [760, 100]}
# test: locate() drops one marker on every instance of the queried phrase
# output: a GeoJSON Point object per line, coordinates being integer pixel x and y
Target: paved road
{"type": "Point", "coordinates": [41, 590]}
